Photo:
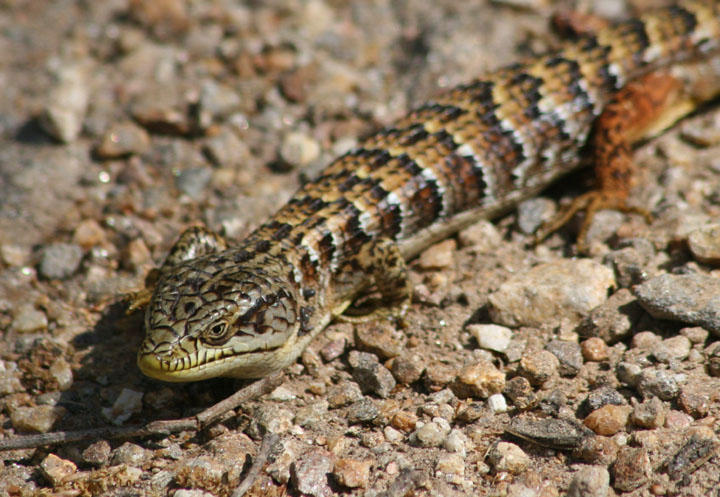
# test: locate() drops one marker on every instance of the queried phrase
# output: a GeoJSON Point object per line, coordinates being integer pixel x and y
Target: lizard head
{"type": "Point", "coordinates": [213, 317]}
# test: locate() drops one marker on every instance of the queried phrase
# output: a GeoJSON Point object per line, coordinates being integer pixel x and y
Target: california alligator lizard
{"type": "Point", "coordinates": [471, 153]}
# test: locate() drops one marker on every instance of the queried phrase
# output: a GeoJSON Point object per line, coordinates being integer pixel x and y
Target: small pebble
{"type": "Point", "coordinates": [97, 453]}
{"type": "Point", "coordinates": [123, 139]}
{"type": "Point", "coordinates": [404, 421]}
{"type": "Point", "coordinates": [568, 354]}
{"type": "Point", "coordinates": [694, 401]}
{"type": "Point", "coordinates": [533, 213]}
{"type": "Point", "coordinates": [311, 415]}
{"type": "Point", "coordinates": [508, 457]}
{"type": "Point", "coordinates": [608, 420]}
{"type": "Point", "coordinates": [192, 492]}
{"type": "Point", "coordinates": [298, 150]}
{"type": "Point", "coordinates": [67, 101]}
{"type": "Point", "coordinates": [136, 256]}
{"type": "Point", "coordinates": [380, 339]}
{"type": "Point", "coordinates": [600, 397]}
{"type": "Point", "coordinates": [704, 243]}
{"type": "Point", "coordinates": [438, 256]}
{"type": "Point", "coordinates": [695, 334]}
{"type": "Point", "coordinates": [649, 414]}
{"type": "Point", "coordinates": [457, 442]}
{"type": "Point", "coordinates": [630, 263]}
{"type": "Point", "coordinates": [429, 435]}
{"type": "Point", "coordinates": [37, 419]}
{"type": "Point", "coordinates": [471, 413]}
{"type": "Point", "coordinates": [14, 255]}
{"type": "Point", "coordinates": [629, 373]}
{"type": "Point", "coordinates": [129, 402]}
{"type": "Point", "coordinates": [163, 19]}
{"type": "Point", "coordinates": [352, 473]}
{"type": "Point", "coordinates": [225, 149]}
{"type": "Point", "coordinates": [594, 349]}
{"type": "Point", "coordinates": [674, 348]}
{"type": "Point", "coordinates": [407, 368]}
{"type": "Point", "coordinates": [282, 394]}
{"type": "Point", "coordinates": [450, 464]}
{"type": "Point", "coordinates": [497, 403]}
{"type": "Point", "coordinates": [372, 376]}
{"type": "Point", "coordinates": [590, 481]}
{"type": "Point", "coordinates": [308, 474]}
{"type": "Point", "coordinates": [392, 435]}
{"type": "Point", "coordinates": [273, 419]}
{"type": "Point", "coordinates": [597, 450]}
{"type": "Point", "coordinates": [333, 349]}
{"type": "Point", "coordinates": [61, 372]}
{"type": "Point", "coordinates": [10, 378]}
{"type": "Point", "coordinates": [631, 469]}
{"type": "Point", "coordinates": [161, 112]}
{"type": "Point", "coordinates": [478, 380]}
{"type": "Point", "coordinates": [658, 383]}
{"type": "Point", "coordinates": [372, 440]}
{"type": "Point", "coordinates": [646, 341]}
{"type": "Point", "coordinates": [218, 100]}
{"type": "Point", "coordinates": [203, 468]}
{"type": "Point", "coordinates": [677, 420]}
{"type": "Point", "coordinates": [343, 394]}
{"type": "Point", "coordinates": [28, 319]}
{"type": "Point", "coordinates": [130, 454]}
{"type": "Point", "coordinates": [60, 260]}
{"type": "Point", "coordinates": [438, 376]}
{"type": "Point", "coordinates": [613, 320]}
{"type": "Point", "coordinates": [88, 234]}
{"type": "Point", "coordinates": [362, 411]}
{"type": "Point", "coordinates": [57, 470]}
{"type": "Point", "coordinates": [483, 235]}
{"type": "Point", "coordinates": [520, 392]}
{"type": "Point", "coordinates": [539, 367]}
{"type": "Point", "coordinates": [491, 336]}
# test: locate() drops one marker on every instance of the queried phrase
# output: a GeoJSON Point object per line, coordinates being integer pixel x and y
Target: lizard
{"type": "Point", "coordinates": [472, 152]}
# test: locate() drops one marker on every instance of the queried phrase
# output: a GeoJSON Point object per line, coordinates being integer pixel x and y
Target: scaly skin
{"type": "Point", "coordinates": [473, 152]}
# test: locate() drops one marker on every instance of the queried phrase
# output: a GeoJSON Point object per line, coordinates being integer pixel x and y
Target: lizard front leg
{"type": "Point", "coordinates": [388, 276]}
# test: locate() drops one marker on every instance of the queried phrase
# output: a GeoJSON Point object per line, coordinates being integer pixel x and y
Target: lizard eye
{"type": "Point", "coordinates": [217, 333]}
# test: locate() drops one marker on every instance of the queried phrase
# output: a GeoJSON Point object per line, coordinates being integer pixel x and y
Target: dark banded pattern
{"type": "Point", "coordinates": [472, 152]}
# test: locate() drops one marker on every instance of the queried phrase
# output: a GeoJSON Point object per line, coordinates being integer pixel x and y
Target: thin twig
{"type": "Point", "coordinates": [165, 427]}
{"type": "Point", "coordinates": [263, 453]}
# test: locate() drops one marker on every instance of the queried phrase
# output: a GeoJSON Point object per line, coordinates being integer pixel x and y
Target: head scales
{"type": "Point", "coordinates": [211, 317]}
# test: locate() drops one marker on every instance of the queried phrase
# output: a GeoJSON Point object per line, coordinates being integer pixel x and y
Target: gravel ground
{"type": "Point", "coordinates": [520, 370]}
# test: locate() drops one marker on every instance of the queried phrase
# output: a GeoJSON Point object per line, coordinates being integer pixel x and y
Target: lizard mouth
{"type": "Point", "coordinates": [188, 367]}
{"type": "Point", "coordinates": [203, 364]}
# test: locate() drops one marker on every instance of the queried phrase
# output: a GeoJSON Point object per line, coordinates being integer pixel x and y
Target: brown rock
{"type": "Point", "coordinates": [439, 256]}
{"type": "Point", "coordinates": [539, 366]}
{"type": "Point", "coordinates": [381, 339]}
{"type": "Point", "coordinates": [404, 421]}
{"type": "Point", "coordinates": [608, 420]}
{"type": "Point", "coordinates": [594, 349]}
{"type": "Point", "coordinates": [479, 380]}
{"type": "Point", "coordinates": [352, 473]}
{"type": "Point", "coordinates": [57, 470]}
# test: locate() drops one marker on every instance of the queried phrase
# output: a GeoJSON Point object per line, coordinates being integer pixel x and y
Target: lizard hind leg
{"type": "Point", "coordinates": [382, 261]}
{"type": "Point", "coordinates": [642, 109]}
